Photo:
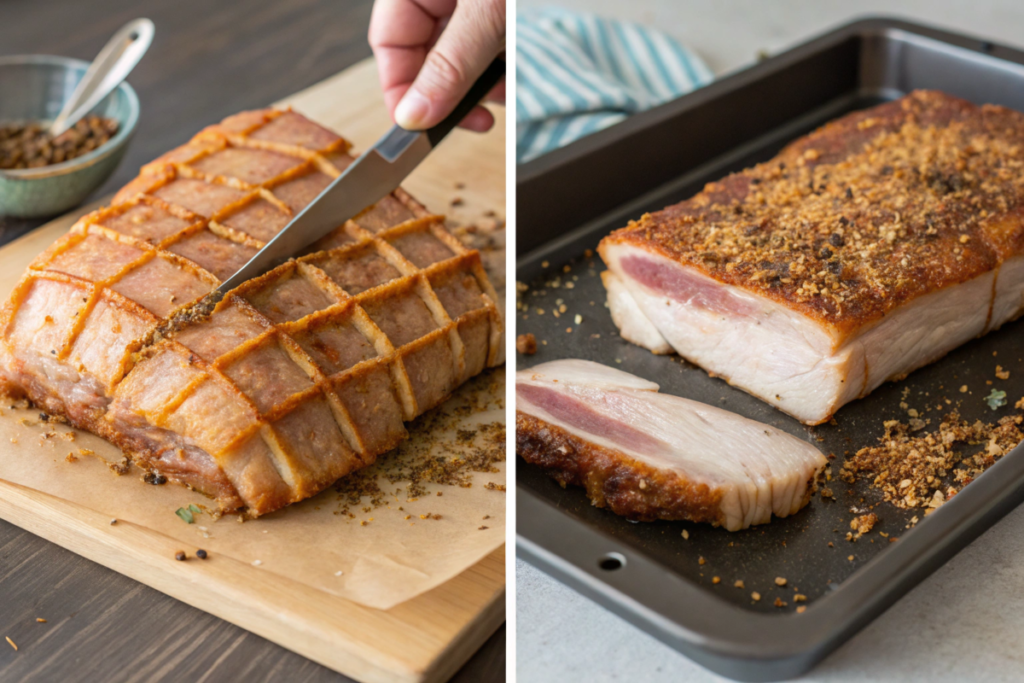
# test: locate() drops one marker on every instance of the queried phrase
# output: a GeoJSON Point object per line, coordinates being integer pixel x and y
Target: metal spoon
{"type": "Point", "coordinates": [111, 66]}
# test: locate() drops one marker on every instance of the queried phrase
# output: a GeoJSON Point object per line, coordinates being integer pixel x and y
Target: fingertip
{"type": "Point", "coordinates": [412, 110]}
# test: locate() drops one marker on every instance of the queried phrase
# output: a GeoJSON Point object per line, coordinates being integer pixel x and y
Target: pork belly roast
{"type": "Point", "coordinates": [647, 455]}
{"type": "Point", "coordinates": [294, 379]}
{"type": "Point", "coordinates": [871, 247]}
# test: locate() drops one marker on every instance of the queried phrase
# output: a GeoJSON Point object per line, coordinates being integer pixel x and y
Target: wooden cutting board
{"type": "Point", "coordinates": [427, 638]}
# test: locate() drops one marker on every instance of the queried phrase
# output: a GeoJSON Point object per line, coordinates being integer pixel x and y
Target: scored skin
{"type": "Point", "coordinates": [168, 449]}
{"type": "Point", "coordinates": [932, 184]}
{"type": "Point", "coordinates": [613, 479]}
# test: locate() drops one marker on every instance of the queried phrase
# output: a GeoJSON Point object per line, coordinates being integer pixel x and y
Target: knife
{"type": "Point", "coordinates": [367, 180]}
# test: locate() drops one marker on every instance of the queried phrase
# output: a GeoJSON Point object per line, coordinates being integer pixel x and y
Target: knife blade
{"type": "Point", "coordinates": [367, 180]}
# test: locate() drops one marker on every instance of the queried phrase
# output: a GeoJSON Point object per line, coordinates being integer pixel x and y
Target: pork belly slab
{"type": "Point", "coordinates": [647, 455]}
{"type": "Point", "coordinates": [296, 378]}
{"type": "Point", "coordinates": [871, 247]}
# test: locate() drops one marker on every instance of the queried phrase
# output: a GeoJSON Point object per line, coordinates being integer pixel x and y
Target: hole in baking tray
{"type": "Point", "coordinates": [612, 561]}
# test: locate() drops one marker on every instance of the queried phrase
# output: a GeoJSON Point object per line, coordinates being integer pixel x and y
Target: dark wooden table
{"type": "Point", "coordinates": [208, 60]}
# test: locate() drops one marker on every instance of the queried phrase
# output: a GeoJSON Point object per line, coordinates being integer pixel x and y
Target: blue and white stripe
{"type": "Point", "coordinates": [578, 73]}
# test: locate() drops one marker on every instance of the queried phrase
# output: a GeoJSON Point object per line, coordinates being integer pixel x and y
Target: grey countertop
{"type": "Point", "coordinates": [964, 623]}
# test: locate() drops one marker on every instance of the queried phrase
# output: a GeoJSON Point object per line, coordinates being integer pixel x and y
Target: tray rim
{"type": "Point", "coordinates": [719, 635]}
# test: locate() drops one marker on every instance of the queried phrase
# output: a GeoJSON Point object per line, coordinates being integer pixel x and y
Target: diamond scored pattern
{"type": "Point", "coordinates": [299, 376]}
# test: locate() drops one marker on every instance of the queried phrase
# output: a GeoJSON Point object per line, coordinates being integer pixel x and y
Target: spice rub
{"type": "Point", "coordinates": [841, 257]}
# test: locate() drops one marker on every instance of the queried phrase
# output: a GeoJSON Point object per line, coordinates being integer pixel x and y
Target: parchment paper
{"type": "Point", "coordinates": [377, 557]}
{"type": "Point", "coordinates": [389, 559]}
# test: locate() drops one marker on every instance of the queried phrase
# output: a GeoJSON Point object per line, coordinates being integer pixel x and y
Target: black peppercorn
{"type": "Point", "coordinates": [201, 554]}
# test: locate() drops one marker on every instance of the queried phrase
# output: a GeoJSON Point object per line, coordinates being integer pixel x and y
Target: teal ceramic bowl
{"type": "Point", "coordinates": [34, 88]}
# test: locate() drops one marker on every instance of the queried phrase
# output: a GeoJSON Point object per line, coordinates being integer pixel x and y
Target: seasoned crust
{"type": "Point", "coordinates": [612, 479]}
{"type": "Point", "coordinates": [862, 215]}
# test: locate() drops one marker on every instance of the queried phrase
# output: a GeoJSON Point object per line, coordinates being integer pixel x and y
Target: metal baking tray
{"type": "Point", "coordinates": [648, 573]}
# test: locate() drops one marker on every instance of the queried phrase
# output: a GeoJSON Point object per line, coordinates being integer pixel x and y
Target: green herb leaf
{"type": "Point", "coordinates": [185, 514]}
{"type": "Point", "coordinates": [193, 508]}
{"type": "Point", "coordinates": [996, 399]}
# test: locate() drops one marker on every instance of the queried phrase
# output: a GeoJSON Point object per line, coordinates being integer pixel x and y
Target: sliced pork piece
{"type": "Point", "coordinates": [863, 251]}
{"type": "Point", "coordinates": [297, 377]}
{"type": "Point", "coordinates": [647, 455]}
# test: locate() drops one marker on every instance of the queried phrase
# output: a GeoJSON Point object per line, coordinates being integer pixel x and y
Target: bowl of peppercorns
{"type": "Point", "coordinates": [44, 175]}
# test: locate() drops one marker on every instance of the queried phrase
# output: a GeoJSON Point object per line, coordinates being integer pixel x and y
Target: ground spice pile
{"type": "Point", "coordinates": [30, 145]}
{"type": "Point", "coordinates": [924, 471]}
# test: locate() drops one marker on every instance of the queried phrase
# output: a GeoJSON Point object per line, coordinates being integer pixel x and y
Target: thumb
{"type": "Point", "coordinates": [474, 36]}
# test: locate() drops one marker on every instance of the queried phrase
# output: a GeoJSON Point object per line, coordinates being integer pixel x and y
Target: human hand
{"type": "Point", "coordinates": [429, 53]}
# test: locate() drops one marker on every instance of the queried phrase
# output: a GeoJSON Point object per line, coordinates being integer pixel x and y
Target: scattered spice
{"type": "Point", "coordinates": [202, 554]}
{"type": "Point", "coordinates": [1002, 374]}
{"type": "Point", "coordinates": [755, 596]}
{"type": "Point", "coordinates": [438, 452]}
{"type": "Point", "coordinates": [180, 556]}
{"type": "Point", "coordinates": [11, 643]}
{"type": "Point", "coordinates": [801, 609]}
{"type": "Point", "coordinates": [738, 584]}
{"type": "Point", "coordinates": [686, 535]}
{"type": "Point", "coordinates": [920, 470]}
{"type": "Point", "coordinates": [779, 581]}
{"type": "Point", "coordinates": [996, 399]}
{"type": "Point", "coordinates": [40, 620]}
{"type": "Point", "coordinates": [188, 513]}
{"type": "Point", "coordinates": [716, 579]}
{"type": "Point", "coordinates": [863, 524]}
{"type": "Point", "coordinates": [701, 561]}
{"type": "Point", "coordinates": [526, 344]}
{"type": "Point", "coordinates": [779, 602]}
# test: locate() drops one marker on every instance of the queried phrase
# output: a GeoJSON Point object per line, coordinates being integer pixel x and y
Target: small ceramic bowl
{"type": "Point", "coordinates": [34, 88]}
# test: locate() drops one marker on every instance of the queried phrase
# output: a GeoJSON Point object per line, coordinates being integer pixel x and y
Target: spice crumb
{"type": "Point", "coordinates": [113, 522]}
{"type": "Point", "coordinates": [526, 344]}
{"type": "Point", "coordinates": [180, 556]}
{"type": "Point", "coordinates": [716, 579]}
{"type": "Point", "coordinates": [201, 554]}
{"type": "Point", "coordinates": [11, 643]}
{"type": "Point", "coordinates": [863, 524]}
{"type": "Point", "coordinates": [779, 602]}
{"type": "Point", "coordinates": [755, 596]}
{"type": "Point", "coordinates": [850, 558]}
{"type": "Point", "coordinates": [701, 560]}
{"type": "Point", "coordinates": [780, 581]}
{"type": "Point", "coordinates": [686, 535]}
{"type": "Point", "coordinates": [801, 609]}
{"type": "Point", "coordinates": [738, 584]}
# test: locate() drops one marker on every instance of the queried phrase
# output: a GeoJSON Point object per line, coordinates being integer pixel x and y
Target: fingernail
{"type": "Point", "coordinates": [411, 110]}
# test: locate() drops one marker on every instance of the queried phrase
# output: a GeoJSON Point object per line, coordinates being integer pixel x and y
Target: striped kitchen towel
{"type": "Point", "coordinates": [578, 73]}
